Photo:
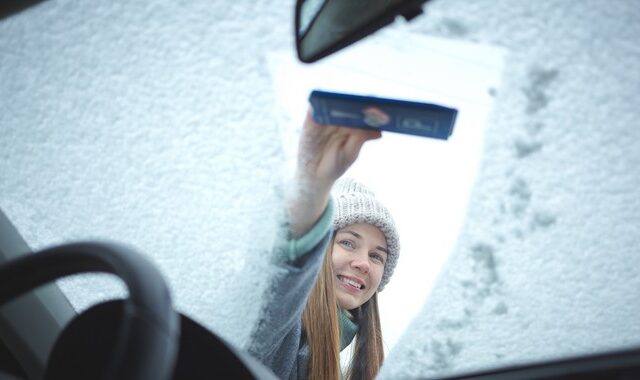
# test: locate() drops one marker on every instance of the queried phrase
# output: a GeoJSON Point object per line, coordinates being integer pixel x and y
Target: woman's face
{"type": "Point", "coordinates": [359, 256]}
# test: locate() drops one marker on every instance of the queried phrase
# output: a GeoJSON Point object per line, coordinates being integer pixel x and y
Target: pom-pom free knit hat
{"type": "Point", "coordinates": [355, 203]}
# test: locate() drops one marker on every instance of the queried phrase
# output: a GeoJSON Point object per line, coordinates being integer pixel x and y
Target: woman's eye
{"type": "Point", "coordinates": [346, 243]}
{"type": "Point", "coordinates": [377, 257]}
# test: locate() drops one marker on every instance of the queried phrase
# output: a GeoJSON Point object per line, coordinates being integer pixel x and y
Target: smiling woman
{"type": "Point", "coordinates": [341, 252]}
{"type": "Point", "coordinates": [358, 264]}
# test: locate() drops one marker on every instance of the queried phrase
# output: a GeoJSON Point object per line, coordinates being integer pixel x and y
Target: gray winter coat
{"type": "Point", "coordinates": [278, 339]}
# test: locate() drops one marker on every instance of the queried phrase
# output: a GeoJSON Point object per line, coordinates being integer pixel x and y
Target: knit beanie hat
{"type": "Point", "coordinates": [355, 204]}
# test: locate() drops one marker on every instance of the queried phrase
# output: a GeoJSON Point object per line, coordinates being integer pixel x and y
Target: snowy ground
{"type": "Point", "coordinates": [154, 124]}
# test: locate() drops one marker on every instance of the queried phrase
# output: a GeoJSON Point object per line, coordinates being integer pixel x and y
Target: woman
{"type": "Point", "coordinates": [341, 251]}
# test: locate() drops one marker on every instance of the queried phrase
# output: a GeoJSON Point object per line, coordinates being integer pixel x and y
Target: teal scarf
{"type": "Point", "coordinates": [348, 329]}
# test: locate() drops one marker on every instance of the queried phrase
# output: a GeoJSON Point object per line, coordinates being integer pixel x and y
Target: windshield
{"type": "Point", "coordinates": [172, 128]}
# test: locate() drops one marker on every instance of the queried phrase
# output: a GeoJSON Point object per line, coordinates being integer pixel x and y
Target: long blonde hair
{"type": "Point", "coordinates": [322, 329]}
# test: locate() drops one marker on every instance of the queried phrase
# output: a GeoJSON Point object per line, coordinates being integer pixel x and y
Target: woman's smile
{"type": "Point", "coordinates": [352, 284]}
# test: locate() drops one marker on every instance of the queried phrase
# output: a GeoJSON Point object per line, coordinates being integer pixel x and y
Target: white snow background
{"type": "Point", "coordinates": [156, 124]}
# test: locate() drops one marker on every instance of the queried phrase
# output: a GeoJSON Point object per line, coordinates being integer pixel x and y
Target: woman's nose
{"type": "Point", "coordinates": [361, 262]}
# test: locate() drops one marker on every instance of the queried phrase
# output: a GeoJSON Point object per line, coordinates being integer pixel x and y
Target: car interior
{"type": "Point", "coordinates": [142, 336]}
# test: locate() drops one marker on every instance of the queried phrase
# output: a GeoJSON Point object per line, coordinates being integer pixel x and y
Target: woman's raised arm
{"type": "Point", "coordinates": [325, 153]}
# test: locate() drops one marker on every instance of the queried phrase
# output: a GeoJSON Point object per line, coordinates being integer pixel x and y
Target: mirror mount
{"type": "Point", "coordinates": [412, 13]}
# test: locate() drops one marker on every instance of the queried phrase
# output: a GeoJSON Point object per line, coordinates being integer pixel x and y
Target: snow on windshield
{"type": "Point", "coordinates": [155, 124]}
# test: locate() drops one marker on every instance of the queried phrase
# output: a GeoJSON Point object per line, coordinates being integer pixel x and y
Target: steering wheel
{"type": "Point", "coordinates": [144, 342]}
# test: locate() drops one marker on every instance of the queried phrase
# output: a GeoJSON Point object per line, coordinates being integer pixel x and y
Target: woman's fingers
{"type": "Point", "coordinates": [327, 151]}
{"type": "Point", "coordinates": [355, 141]}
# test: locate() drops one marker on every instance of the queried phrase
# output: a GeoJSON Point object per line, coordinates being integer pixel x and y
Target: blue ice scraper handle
{"type": "Point", "coordinates": [393, 115]}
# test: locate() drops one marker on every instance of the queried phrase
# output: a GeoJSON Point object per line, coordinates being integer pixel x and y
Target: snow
{"type": "Point", "coordinates": [545, 265]}
{"type": "Point", "coordinates": [156, 124]}
{"type": "Point", "coordinates": [133, 122]}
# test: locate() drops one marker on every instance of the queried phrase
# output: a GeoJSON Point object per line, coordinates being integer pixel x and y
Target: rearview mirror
{"type": "Point", "coordinates": [323, 27]}
{"type": "Point", "coordinates": [11, 7]}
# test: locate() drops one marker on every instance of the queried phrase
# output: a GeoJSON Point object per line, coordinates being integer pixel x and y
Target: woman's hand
{"type": "Point", "coordinates": [325, 153]}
